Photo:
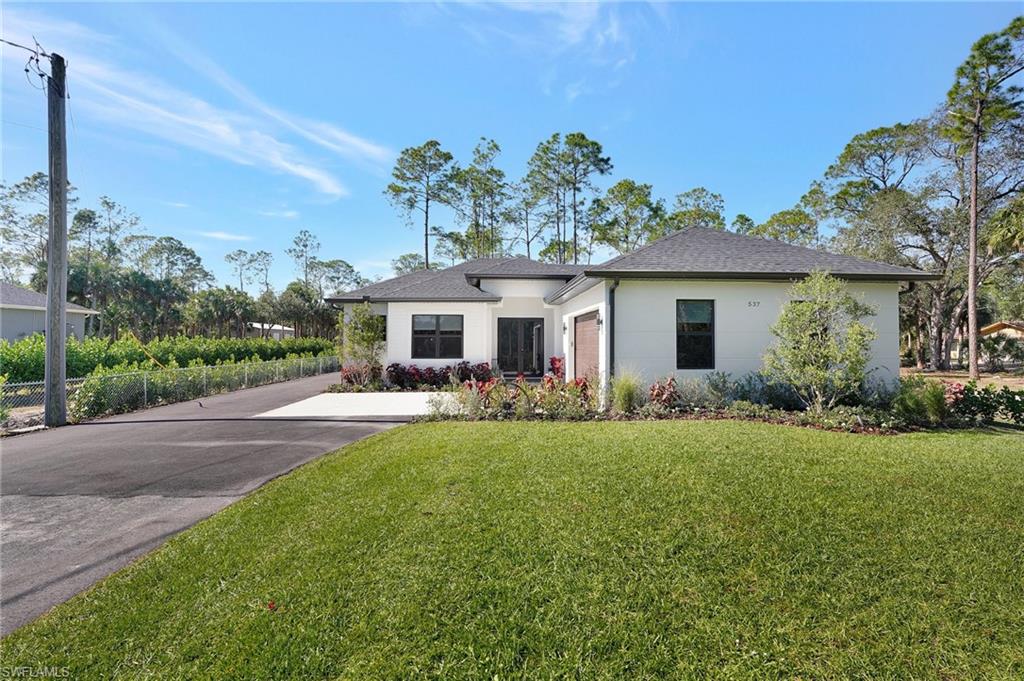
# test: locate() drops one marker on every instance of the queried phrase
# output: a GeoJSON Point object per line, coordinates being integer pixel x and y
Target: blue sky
{"type": "Point", "coordinates": [235, 125]}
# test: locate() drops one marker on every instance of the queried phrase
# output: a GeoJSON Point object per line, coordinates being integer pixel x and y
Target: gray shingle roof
{"type": "Point", "coordinates": [519, 267]}
{"type": "Point", "coordinates": [453, 283]}
{"type": "Point", "coordinates": [16, 296]}
{"type": "Point", "coordinates": [699, 252]}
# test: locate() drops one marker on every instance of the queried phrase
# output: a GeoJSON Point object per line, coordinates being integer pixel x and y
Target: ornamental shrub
{"type": "Point", "coordinates": [627, 392]}
{"type": "Point", "coordinates": [412, 377]}
{"type": "Point", "coordinates": [822, 347]}
{"type": "Point", "coordinates": [557, 365]}
{"type": "Point", "coordinates": [973, 404]}
{"type": "Point", "coordinates": [363, 342]}
{"type": "Point", "coordinates": [921, 401]}
{"type": "Point", "coordinates": [664, 393]}
{"type": "Point", "coordinates": [977, 404]}
{"type": "Point", "coordinates": [1012, 405]}
{"type": "Point", "coordinates": [714, 390]}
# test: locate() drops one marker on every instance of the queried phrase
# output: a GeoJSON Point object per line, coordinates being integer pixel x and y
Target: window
{"type": "Point", "coordinates": [437, 336]}
{"type": "Point", "coordinates": [695, 334]}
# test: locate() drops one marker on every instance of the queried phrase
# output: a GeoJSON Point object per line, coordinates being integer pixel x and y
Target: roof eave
{"type": "Point", "coordinates": [411, 299]}
{"type": "Point", "coordinates": [572, 288]}
{"type": "Point", "coordinates": [762, 276]}
{"type": "Point", "coordinates": [40, 308]}
{"type": "Point", "coordinates": [491, 275]}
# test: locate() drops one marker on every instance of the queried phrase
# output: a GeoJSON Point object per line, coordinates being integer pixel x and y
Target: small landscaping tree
{"type": "Point", "coordinates": [363, 341]}
{"type": "Point", "coordinates": [822, 347]}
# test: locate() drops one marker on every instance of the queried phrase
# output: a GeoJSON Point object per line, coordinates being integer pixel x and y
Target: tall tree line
{"type": "Point", "coordinates": [555, 211]}
{"type": "Point", "coordinates": [158, 285]}
{"type": "Point", "coordinates": [944, 194]}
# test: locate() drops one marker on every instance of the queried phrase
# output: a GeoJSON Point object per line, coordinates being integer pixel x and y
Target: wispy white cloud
{"type": "Point", "coordinates": [287, 214]}
{"type": "Point", "coordinates": [128, 99]}
{"type": "Point", "coordinates": [224, 236]}
{"type": "Point", "coordinates": [329, 136]}
{"type": "Point", "coordinates": [589, 28]}
{"type": "Point", "coordinates": [575, 89]}
{"type": "Point", "coordinates": [579, 40]}
{"type": "Point", "coordinates": [176, 204]}
{"type": "Point", "coordinates": [139, 102]}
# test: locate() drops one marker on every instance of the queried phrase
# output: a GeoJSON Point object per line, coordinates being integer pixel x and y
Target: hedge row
{"type": "Point", "coordinates": [124, 389]}
{"type": "Point", "coordinates": [24, 360]}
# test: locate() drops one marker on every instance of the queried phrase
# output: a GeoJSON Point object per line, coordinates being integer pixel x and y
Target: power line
{"type": "Point", "coordinates": [33, 65]}
{"type": "Point", "coordinates": [23, 125]}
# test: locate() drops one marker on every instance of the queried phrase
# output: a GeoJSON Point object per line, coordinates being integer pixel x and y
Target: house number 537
{"type": "Point", "coordinates": [753, 303]}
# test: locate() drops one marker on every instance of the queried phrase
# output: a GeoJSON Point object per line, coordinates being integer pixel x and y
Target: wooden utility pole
{"type": "Point", "coordinates": [57, 249]}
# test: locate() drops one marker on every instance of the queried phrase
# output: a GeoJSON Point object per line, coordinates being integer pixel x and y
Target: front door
{"type": "Point", "coordinates": [521, 345]}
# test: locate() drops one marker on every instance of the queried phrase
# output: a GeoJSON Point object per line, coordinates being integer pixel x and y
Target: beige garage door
{"type": "Point", "coordinates": [585, 345]}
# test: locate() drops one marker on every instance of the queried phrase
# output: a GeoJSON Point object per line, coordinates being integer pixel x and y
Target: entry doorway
{"type": "Point", "coordinates": [521, 345]}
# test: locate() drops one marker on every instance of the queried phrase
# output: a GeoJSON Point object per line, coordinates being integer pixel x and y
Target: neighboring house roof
{"type": "Point", "coordinates": [14, 297]}
{"type": "Point", "coordinates": [1017, 325]}
{"type": "Point", "coordinates": [701, 253]}
{"type": "Point", "coordinates": [453, 284]}
{"type": "Point", "coordinates": [269, 327]}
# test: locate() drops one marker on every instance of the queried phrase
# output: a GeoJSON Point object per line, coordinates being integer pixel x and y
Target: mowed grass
{"type": "Point", "coordinates": [593, 550]}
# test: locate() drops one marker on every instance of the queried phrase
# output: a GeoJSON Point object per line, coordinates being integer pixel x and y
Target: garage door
{"type": "Point", "coordinates": [585, 345]}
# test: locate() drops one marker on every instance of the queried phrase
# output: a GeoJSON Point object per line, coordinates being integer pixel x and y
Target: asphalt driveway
{"type": "Point", "coordinates": [80, 502]}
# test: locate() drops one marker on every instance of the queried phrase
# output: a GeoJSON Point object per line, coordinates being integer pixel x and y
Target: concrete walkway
{"type": "Point", "coordinates": [79, 502]}
{"type": "Point", "coordinates": [362, 406]}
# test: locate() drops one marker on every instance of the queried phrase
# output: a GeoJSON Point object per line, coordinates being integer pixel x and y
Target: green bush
{"type": "Point", "coordinates": [129, 387]}
{"type": "Point", "coordinates": [850, 419]}
{"type": "Point", "coordinates": [23, 360]}
{"type": "Point", "coordinates": [627, 392]}
{"type": "Point", "coordinates": [4, 409]}
{"type": "Point", "coordinates": [973, 404]}
{"type": "Point", "coordinates": [822, 347]}
{"type": "Point", "coordinates": [1012, 405]}
{"type": "Point", "coordinates": [921, 401]}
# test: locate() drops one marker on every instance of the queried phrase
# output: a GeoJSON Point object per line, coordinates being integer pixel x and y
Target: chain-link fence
{"type": "Point", "coordinates": [101, 394]}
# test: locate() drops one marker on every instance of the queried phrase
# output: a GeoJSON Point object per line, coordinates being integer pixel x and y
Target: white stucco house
{"type": "Point", "coordinates": [696, 301]}
{"type": "Point", "coordinates": [23, 313]}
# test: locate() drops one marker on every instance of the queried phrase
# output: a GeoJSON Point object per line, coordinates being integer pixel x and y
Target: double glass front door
{"type": "Point", "coordinates": [521, 345]}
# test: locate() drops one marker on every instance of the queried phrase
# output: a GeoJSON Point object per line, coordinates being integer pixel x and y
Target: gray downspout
{"type": "Point", "coordinates": [611, 327]}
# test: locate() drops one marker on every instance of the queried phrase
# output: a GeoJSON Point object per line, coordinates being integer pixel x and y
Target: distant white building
{"type": "Point", "coordinates": [275, 331]}
{"type": "Point", "coordinates": [23, 313]}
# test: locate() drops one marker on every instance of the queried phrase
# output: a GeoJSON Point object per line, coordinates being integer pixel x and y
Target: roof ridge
{"type": "Point", "coordinates": [434, 274]}
{"type": "Point", "coordinates": [820, 251]}
{"type": "Point", "coordinates": [646, 246]}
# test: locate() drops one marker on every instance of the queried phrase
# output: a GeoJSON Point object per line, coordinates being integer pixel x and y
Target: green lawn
{"type": "Point", "coordinates": [595, 550]}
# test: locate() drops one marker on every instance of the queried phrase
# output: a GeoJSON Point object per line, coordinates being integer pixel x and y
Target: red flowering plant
{"type": "Point", "coordinates": [954, 393]}
{"type": "Point", "coordinates": [412, 377]}
{"type": "Point", "coordinates": [558, 400]}
{"type": "Point", "coordinates": [351, 375]}
{"type": "Point", "coordinates": [664, 393]}
{"type": "Point", "coordinates": [557, 365]}
{"type": "Point", "coordinates": [484, 388]}
{"type": "Point", "coordinates": [582, 385]}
